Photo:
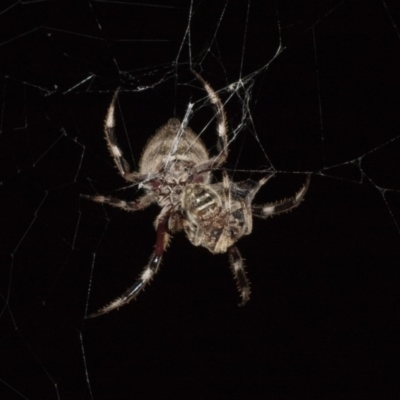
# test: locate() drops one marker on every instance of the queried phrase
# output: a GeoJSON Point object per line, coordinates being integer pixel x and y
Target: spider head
{"type": "Point", "coordinates": [214, 220]}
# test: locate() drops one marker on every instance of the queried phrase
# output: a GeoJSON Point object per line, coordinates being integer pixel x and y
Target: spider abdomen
{"type": "Point", "coordinates": [171, 143]}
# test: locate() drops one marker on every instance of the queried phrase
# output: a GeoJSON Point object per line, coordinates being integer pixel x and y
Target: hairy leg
{"type": "Point", "coordinates": [135, 205]}
{"type": "Point", "coordinates": [145, 277]}
{"type": "Point", "coordinates": [115, 151]}
{"type": "Point", "coordinates": [279, 207]}
{"type": "Point", "coordinates": [238, 269]}
{"type": "Point", "coordinates": [222, 144]}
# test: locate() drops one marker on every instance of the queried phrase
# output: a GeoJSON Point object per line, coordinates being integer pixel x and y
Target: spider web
{"type": "Point", "coordinates": [308, 86]}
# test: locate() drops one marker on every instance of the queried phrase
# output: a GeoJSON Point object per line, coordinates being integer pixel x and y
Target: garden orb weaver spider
{"type": "Point", "coordinates": [175, 172]}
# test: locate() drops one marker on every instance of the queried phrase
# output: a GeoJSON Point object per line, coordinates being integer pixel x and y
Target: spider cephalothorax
{"type": "Point", "coordinates": [175, 172]}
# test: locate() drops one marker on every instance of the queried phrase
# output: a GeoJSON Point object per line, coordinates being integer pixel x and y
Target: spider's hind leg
{"type": "Point", "coordinates": [220, 116]}
{"type": "Point", "coordinates": [109, 130]}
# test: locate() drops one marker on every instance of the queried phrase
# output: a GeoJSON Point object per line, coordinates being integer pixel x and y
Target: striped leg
{"type": "Point", "coordinates": [220, 115]}
{"type": "Point", "coordinates": [146, 275]}
{"type": "Point", "coordinates": [270, 209]}
{"type": "Point", "coordinates": [139, 204]}
{"type": "Point", "coordinates": [238, 269]}
{"type": "Point", "coordinates": [109, 130]}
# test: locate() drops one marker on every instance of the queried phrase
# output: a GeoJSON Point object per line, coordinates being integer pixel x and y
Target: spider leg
{"type": "Point", "coordinates": [146, 275]}
{"type": "Point", "coordinates": [238, 268]}
{"type": "Point", "coordinates": [222, 144]}
{"type": "Point", "coordinates": [226, 186]}
{"type": "Point", "coordinates": [270, 209]}
{"type": "Point", "coordinates": [138, 204]}
{"type": "Point", "coordinates": [109, 130]}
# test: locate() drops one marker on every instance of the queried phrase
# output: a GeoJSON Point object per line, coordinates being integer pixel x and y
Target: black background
{"type": "Point", "coordinates": [323, 320]}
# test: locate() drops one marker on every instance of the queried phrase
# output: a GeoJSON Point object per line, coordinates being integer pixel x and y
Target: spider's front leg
{"type": "Point", "coordinates": [146, 275]}
{"type": "Point", "coordinates": [238, 269]}
{"type": "Point", "coordinates": [280, 207]}
{"type": "Point", "coordinates": [135, 205]}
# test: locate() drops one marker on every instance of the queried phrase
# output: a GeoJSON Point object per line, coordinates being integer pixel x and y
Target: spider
{"type": "Point", "coordinates": [175, 172]}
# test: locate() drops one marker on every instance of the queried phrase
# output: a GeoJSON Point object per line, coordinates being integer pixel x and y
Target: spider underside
{"type": "Point", "coordinates": [175, 172]}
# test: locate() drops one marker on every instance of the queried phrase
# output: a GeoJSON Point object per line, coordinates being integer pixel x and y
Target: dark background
{"type": "Point", "coordinates": [323, 320]}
